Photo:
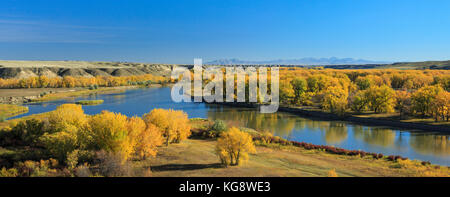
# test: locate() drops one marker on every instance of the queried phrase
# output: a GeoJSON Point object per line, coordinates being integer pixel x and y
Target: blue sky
{"type": "Point", "coordinates": [176, 31]}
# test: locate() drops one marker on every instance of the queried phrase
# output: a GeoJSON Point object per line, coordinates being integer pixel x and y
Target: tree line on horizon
{"type": "Point", "coordinates": [87, 82]}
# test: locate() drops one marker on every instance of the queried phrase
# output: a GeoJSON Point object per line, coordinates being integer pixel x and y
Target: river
{"type": "Point", "coordinates": [425, 146]}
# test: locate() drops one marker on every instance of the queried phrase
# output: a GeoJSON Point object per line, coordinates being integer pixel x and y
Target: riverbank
{"type": "Point", "coordinates": [196, 157]}
{"type": "Point", "coordinates": [19, 96]}
{"type": "Point", "coordinates": [372, 121]}
{"type": "Point", "coordinates": [8, 110]}
{"type": "Point", "coordinates": [28, 95]}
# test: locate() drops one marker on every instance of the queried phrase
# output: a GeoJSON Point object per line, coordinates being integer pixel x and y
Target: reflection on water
{"type": "Point", "coordinates": [375, 136]}
{"type": "Point", "coordinates": [434, 147]}
{"type": "Point", "coordinates": [431, 144]}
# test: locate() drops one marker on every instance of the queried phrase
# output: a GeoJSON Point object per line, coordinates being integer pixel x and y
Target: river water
{"type": "Point", "coordinates": [426, 146]}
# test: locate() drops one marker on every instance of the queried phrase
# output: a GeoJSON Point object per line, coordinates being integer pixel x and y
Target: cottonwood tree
{"type": "Point", "coordinates": [335, 100]}
{"type": "Point", "coordinates": [148, 141]}
{"type": "Point", "coordinates": [423, 99]}
{"type": "Point", "coordinates": [234, 146]}
{"type": "Point", "coordinates": [382, 98]}
{"type": "Point", "coordinates": [111, 132]}
{"type": "Point", "coordinates": [403, 102]}
{"type": "Point", "coordinates": [67, 117]}
{"type": "Point", "coordinates": [441, 106]}
{"type": "Point", "coordinates": [174, 125]}
{"type": "Point", "coordinates": [299, 86]}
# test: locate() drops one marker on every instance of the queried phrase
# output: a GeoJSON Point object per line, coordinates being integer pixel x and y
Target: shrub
{"type": "Point", "coordinates": [25, 133]}
{"type": "Point", "coordinates": [72, 159]}
{"type": "Point", "coordinates": [38, 169]}
{"type": "Point", "coordinates": [12, 172]}
{"type": "Point", "coordinates": [219, 126]}
{"type": "Point", "coordinates": [83, 171]}
{"type": "Point", "coordinates": [216, 129]}
{"type": "Point", "coordinates": [112, 165]}
{"type": "Point", "coordinates": [332, 173]}
{"type": "Point", "coordinates": [59, 144]}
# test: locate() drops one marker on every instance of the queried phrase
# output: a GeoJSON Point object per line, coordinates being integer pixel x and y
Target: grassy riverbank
{"type": "Point", "coordinates": [196, 157]}
{"type": "Point", "coordinates": [81, 92]}
{"type": "Point", "coordinates": [7, 110]}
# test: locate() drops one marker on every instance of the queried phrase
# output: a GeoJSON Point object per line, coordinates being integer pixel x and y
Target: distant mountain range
{"type": "Point", "coordinates": [302, 61]}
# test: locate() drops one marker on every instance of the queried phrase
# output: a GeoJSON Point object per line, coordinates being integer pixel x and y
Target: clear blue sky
{"type": "Point", "coordinates": [176, 31]}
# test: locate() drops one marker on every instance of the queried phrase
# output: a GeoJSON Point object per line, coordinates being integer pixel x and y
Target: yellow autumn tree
{"type": "Point", "coordinates": [69, 82]}
{"type": "Point", "coordinates": [68, 125]}
{"type": "Point", "coordinates": [403, 102]}
{"type": "Point", "coordinates": [136, 126]}
{"type": "Point", "coordinates": [441, 106]}
{"type": "Point", "coordinates": [286, 91]}
{"type": "Point", "coordinates": [43, 81]}
{"type": "Point", "coordinates": [423, 99]}
{"type": "Point", "coordinates": [332, 173]}
{"type": "Point", "coordinates": [234, 146]}
{"type": "Point", "coordinates": [335, 100]}
{"type": "Point", "coordinates": [67, 117]}
{"type": "Point", "coordinates": [60, 144]}
{"type": "Point", "coordinates": [148, 141]}
{"type": "Point", "coordinates": [111, 132]}
{"type": "Point", "coordinates": [173, 124]}
{"type": "Point", "coordinates": [381, 98]}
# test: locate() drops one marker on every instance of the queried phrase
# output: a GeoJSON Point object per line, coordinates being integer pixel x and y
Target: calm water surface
{"type": "Point", "coordinates": [426, 146]}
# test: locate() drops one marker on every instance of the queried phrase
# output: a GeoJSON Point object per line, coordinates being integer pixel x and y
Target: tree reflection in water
{"type": "Point", "coordinates": [431, 144]}
{"type": "Point", "coordinates": [332, 132]}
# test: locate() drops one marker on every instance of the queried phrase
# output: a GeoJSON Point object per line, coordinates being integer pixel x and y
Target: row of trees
{"type": "Point", "coordinates": [411, 92]}
{"type": "Point", "coordinates": [338, 94]}
{"type": "Point", "coordinates": [70, 82]}
{"type": "Point", "coordinates": [77, 140]}
{"type": "Point", "coordinates": [396, 79]}
{"type": "Point", "coordinates": [70, 133]}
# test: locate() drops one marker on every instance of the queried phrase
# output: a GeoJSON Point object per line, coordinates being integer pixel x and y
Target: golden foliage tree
{"type": "Point", "coordinates": [234, 146]}
{"type": "Point", "coordinates": [359, 101]}
{"type": "Point", "coordinates": [381, 98]}
{"type": "Point", "coordinates": [299, 86]}
{"type": "Point", "coordinates": [173, 124]}
{"type": "Point", "coordinates": [67, 117]}
{"type": "Point", "coordinates": [59, 144]}
{"type": "Point", "coordinates": [423, 99]}
{"type": "Point", "coordinates": [403, 102]}
{"type": "Point", "coordinates": [332, 173]}
{"type": "Point", "coordinates": [68, 125]}
{"type": "Point", "coordinates": [148, 141]}
{"type": "Point", "coordinates": [111, 132]}
{"type": "Point", "coordinates": [286, 92]}
{"type": "Point", "coordinates": [441, 106]}
{"type": "Point", "coordinates": [335, 100]}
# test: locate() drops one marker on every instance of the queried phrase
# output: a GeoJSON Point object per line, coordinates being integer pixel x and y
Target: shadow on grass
{"type": "Point", "coordinates": [171, 167]}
